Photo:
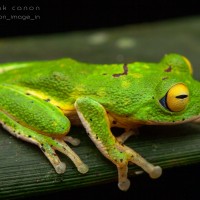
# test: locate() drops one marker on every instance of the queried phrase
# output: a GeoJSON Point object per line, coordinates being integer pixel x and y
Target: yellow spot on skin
{"type": "Point", "coordinates": [63, 106]}
{"type": "Point", "coordinates": [146, 66]}
{"type": "Point", "coordinates": [101, 92]}
{"type": "Point", "coordinates": [188, 82]}
{"type": "Point", "coordinates": [79, 89]}
{"type": "Point", "coordinates": [37, 94]}
{"type": "Point", "coordinates": [188, 64]}
{"type": "Point", "coordinates": [137, 75]}
{"type": "Point", "coordinates": [127, 101]}
{"type": "Point", "coordinates": [125, 84]}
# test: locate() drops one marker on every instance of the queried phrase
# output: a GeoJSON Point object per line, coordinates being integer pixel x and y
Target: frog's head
{"type": "Point", "coordinates": [177, 95]}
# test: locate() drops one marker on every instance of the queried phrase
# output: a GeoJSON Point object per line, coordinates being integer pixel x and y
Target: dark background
{"type": "Point", "coordinates": [70, 15]}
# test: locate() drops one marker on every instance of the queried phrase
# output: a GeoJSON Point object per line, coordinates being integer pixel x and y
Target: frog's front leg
{"type": "Point", "coordinates": [37, 121]}
{"type": "Point", "coordinates": [94, 118]}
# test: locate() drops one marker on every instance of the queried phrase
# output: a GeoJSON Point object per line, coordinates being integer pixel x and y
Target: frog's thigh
{"type": "Point", "coordinates": [94, 118]}
{"type": "Point", "coordinates": [44, 118]}
{"type": "Point", "coordinates": [33, 112]}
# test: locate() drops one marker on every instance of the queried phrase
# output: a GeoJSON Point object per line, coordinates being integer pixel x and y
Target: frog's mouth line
{"type": "Point", "coordinates": [195, 119]}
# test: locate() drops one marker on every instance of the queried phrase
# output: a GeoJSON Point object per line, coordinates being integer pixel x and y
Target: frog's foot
{"type": "Point", "coordinates": [124, 136]}
{"type": "Point", "coordinates": [60, 145]}
{"type": "Point", "coordinates": [129, 155]}
{"type": "Point", "coordinates": [50, 153]}
{"type": "Point", "coordinates": [47, 144]}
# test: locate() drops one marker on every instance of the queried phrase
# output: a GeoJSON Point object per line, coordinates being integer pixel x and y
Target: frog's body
{"type": "Point", "coordinates": [38, 100]}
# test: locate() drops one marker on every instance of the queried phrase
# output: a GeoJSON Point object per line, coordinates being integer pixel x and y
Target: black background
{"type": "Point", "coordinates": [71, 15]}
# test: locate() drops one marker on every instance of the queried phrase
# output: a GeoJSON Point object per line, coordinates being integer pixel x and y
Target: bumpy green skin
{"type": "Point", "coordinates": [34, 112]}
{"type": "Point", "coordinates": [136, 94]}
{"type": "Point", "coordinates": [37, 97]}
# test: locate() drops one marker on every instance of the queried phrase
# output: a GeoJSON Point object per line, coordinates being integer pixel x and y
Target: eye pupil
{"type": "Point", "coordinates": [182, 96]}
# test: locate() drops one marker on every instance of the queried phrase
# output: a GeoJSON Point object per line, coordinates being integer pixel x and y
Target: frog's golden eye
{"type": "Point", "coordinates": [176, 98]}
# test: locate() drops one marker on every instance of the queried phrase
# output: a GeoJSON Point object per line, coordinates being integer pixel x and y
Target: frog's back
{"type": "Point", "coordinates": [67, 78]}
{"type": "Point", "coordinates": [23, 71]}
{"type": "Point", "coordinates": [19, 71]}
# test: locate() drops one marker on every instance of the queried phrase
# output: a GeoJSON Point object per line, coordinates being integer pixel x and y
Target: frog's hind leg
{"type": "Point", "coordinates": [128, 133]}
{"type": "Point", "coordinates": [46, 144]}
{"type": "Point", "coordinates": [71, 140]}
{"type": "Point", "coordinates": [97, 124]}
{"type": "Point", "coordinates": [37, 121]}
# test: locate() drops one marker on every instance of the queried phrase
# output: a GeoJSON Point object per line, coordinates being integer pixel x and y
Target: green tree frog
{"type": "Point", "coordinates": [40, 100]}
